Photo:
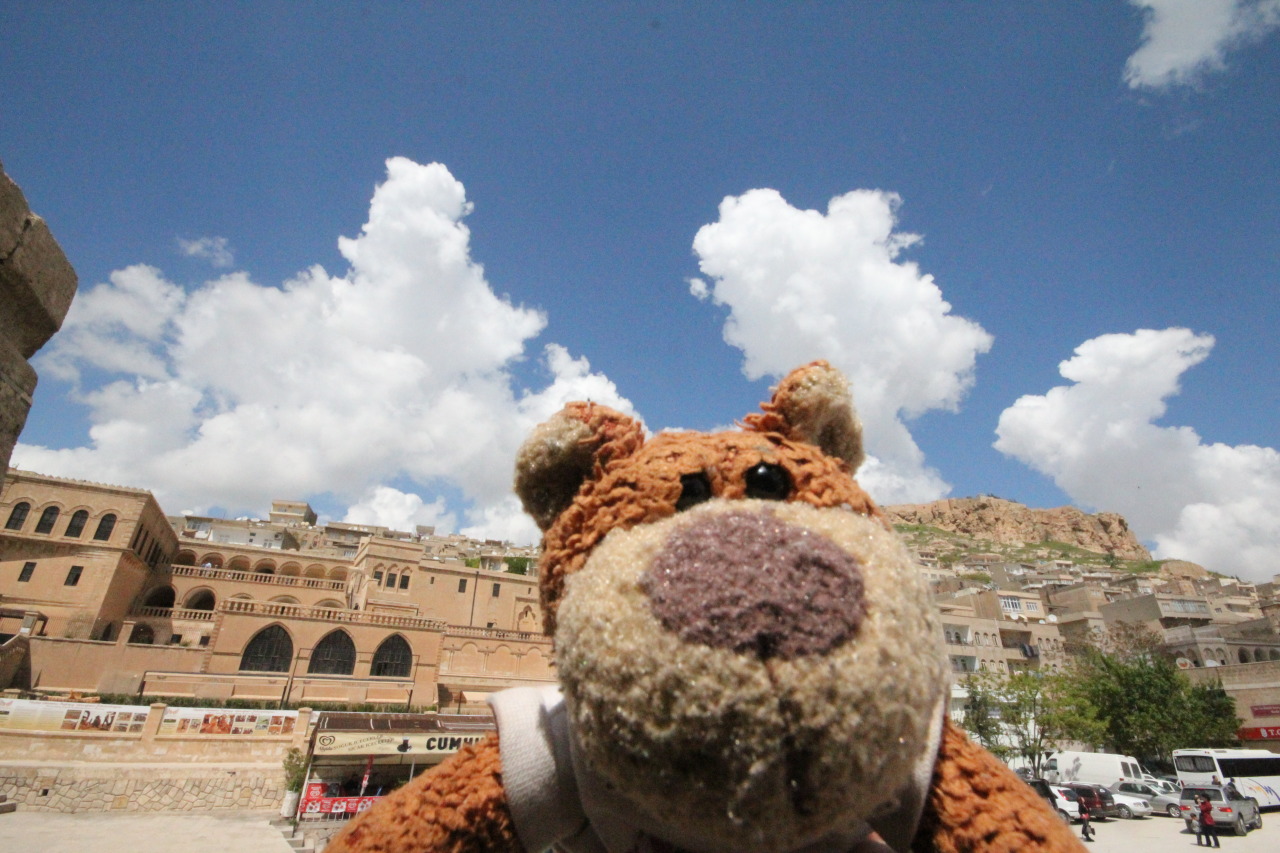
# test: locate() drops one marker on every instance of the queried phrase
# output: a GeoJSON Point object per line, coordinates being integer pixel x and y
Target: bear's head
{"type": "Point", "coordinates": [746, 650]}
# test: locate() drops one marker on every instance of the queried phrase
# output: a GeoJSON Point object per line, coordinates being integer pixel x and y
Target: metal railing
{"type": "Point", "coordinates": [257, 577]}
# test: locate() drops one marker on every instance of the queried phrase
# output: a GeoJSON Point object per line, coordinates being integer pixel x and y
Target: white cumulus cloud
{"type": "Point", "coordinates": [1182, 40]}
{"type": "Point", "coordinates": [801, 285]}
{"type": "Point", "coordinates": [398, 370]}
{"type": "Point", "coordinates": [1213, 504]}
{"type": "Point", "coordinates": [215, 250]}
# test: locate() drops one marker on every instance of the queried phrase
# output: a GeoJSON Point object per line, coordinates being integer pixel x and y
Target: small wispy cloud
{"type": "Point", "coordinates": [212, 249]}
{"type": "Point", "coordinates": [1183, 40]}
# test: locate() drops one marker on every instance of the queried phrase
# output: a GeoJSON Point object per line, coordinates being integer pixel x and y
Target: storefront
{"type": "Point", "coordinates": [357, 758]}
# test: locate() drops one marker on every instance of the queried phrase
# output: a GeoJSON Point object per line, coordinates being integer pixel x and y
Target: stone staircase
{"type": "Point", "coordinates": [293, 834]}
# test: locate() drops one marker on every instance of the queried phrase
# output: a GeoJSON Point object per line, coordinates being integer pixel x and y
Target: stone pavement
{"type": "Point", "coordinates": [250, 832]}
{"type": "Point", "coordinates": [139, 832]}
{"type": "Point", "coordinates": [1159, 834]}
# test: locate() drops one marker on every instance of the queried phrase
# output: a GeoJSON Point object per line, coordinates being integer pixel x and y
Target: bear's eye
{"type": "Point", "coordinates": [694, 489]}
{"type": "Point", "coordinates": [768, 482]}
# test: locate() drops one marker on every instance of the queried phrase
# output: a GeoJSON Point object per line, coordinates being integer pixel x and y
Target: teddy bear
{"type": "Point", "coordinates": [748, 661]}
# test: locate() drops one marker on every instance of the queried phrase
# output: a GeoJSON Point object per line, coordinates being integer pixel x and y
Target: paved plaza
{"type": "Point", "coordinates": [1158, 834]}
{"type": "Point", "coordinates": [250, 832]}
{"type": "Point", "coordinates": [165, 832]}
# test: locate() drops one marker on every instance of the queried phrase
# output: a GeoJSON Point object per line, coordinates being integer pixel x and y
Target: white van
{"type": "Point", "coordinates": [1098, 768]}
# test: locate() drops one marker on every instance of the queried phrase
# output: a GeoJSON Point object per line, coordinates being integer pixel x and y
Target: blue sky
{"type": "Point", "coordinates": [353, 253]}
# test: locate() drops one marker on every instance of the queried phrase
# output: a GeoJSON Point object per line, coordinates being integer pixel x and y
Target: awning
{"type": "Point", "coordinates": [438, 744]}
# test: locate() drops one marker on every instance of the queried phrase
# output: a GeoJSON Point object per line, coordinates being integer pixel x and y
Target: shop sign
{"type": "Point", "coordinates": [1265, 710]}
{"type": "Point", "coordinates": [316, 804]}
{"type": "Point", "coordinates": [1260, 733]}
{"type": "Point", "coordinates": [385, 743]}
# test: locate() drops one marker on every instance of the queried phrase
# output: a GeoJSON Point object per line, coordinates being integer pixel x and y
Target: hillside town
{"type": "Point", "coordinates": [106, 595]}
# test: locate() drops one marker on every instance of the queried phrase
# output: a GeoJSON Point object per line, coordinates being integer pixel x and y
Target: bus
{"type": "Point", "coordinates": [1255, 772]}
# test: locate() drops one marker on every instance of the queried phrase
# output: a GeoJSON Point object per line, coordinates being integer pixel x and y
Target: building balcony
{"type": "Point", "coordinates": [173, 613]}
{"type": "Point", "coordinates": [209, 573]}
{"type": "Point", "coordinates": [326, 614]}
{"type": "Point", "coordinates": [497, 634]}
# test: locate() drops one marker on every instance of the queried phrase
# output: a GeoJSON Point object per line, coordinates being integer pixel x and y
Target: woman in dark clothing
{"type": "Point", "coordinates": [1086, 831]}
{"type": "Point", "coordinates": [1205, 825]}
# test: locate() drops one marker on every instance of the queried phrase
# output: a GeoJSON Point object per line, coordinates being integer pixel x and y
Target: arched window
{"type": "Point", "coordinates": [47, 519]}
{"type": "Point", "coordinates": [201, 599]}
{"type": "Point", "coordinates": [162, 597]}
{"type": "Point", "coordinates": [142, 634]}
{"type": "Point", "coordinates": [76, 525]}
{"type": "Point", "coordinates": [270, 650]}
{"type": "Point", "coordinates": [393, 659]}
{"type": "Point", "coordinates": [17, 516]}
{"type": "Point", "coordinates": [105, 526]}
{"type": "Point", "coordinates": [334, 655]}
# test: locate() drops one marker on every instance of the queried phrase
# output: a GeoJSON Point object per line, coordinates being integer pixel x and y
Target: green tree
{"type": "Point", "coordinates": [981, 717]}
{"type": "Point", "coordinates": [1211, 719]}
{"type": "Point", "coordinates": [1140, 704]}
{"type": "Point", "coordinates": [1025, 714]}
{"type": "Point", "coordinates": [517, 565]}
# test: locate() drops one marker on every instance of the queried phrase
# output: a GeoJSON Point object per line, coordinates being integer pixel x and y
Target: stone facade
{"type": "Point", "coordinates": [101, 787]}
{"type": "Point", "coordinates": [167, 608]}
{"type": "Point", "coordinates": [37, 285]}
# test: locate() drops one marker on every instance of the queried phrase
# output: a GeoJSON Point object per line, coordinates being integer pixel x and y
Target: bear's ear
{"type": "Point", "coordinates": [561, 454]}
{"type": "Point", "coordinates": [813, 404]}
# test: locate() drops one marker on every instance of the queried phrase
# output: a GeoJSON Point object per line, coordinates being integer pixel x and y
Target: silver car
{"type": "Point", "coordinates": [1230, 810]}
{"type": "Point", "coordinates": [1161, 803]}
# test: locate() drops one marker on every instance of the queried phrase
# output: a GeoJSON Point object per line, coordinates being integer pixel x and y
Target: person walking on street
{"type": "Point", "coordinates": [1204, 826]}
{"type": "Point", "coordinates": [1086, 831]}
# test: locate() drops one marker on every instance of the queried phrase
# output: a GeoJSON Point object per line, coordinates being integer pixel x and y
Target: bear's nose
{"type": "Point", "coordinates": [747, 581]}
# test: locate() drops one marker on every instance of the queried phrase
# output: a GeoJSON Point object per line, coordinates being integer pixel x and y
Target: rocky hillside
{"type": "Point", "coordinates": [1010, 523]}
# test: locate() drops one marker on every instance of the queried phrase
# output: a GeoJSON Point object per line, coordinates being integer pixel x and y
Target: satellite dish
{"type": "Point", "coordinates": [1183, 663]}
{"type": "Point", "coordinates": [1053, 618]}
{"type": "Point", "coordinates": [1211, 662]}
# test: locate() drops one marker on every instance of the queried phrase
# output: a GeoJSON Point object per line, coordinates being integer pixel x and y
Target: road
{"type": "Point", "coordinates": [45, 832]}
{"type": "Point", "coordinates": [149, 832]}
{"type": "Point", "coordinates": [1158, 834]}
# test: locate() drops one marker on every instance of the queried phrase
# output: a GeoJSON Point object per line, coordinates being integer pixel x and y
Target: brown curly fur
{"type": "Point", "coordinates": [459, 807]}
{"type": "Point", "coordinates": [644, 487]}
{"type": "Point", "coordinates": [977, 803]}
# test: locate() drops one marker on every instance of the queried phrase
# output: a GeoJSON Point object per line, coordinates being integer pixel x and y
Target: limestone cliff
{"type": "Point", "coordinates": [1011, 523]}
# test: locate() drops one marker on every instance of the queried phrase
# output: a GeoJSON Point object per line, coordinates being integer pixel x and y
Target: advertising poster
{"type": "Point", "coordinates": [224, 721]}
{"type": "Point", "coordinates": [30, 715]}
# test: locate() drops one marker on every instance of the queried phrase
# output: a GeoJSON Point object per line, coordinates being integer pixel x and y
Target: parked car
{"type": "Point", "coordinates": [1062, 800]}
{"type": "Point", "coordinates": [1129, 807]}
{"type": "Point", "coordinates": [1239, 813]}
{"type": "Point", "coordinates": [1098, 798]}
{"type": "Point", "coordinates": [1159, 800]}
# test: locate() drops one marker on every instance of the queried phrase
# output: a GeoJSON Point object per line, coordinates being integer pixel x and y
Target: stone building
{"type": "Point", "coordinates": [107, 595]}
{"type": "Point", "coordinates": [37, 285]}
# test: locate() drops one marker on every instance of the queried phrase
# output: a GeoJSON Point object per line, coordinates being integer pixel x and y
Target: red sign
{"type": "Point", "coordinates": [1265, 710]}
{"type": "Point", "coordinates": [1260, 733]}
{"type": "Point", "coordinates": [335, 806]}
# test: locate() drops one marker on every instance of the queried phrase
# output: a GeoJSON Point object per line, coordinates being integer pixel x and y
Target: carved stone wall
{"type": "Point", "coordinates": [37, 284]}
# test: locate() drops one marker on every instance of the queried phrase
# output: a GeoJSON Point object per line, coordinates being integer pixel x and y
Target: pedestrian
{"type": "Point", "coordinates": [1205, 824]}
{"type": "Point", "coordinates": [1086, 831]}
